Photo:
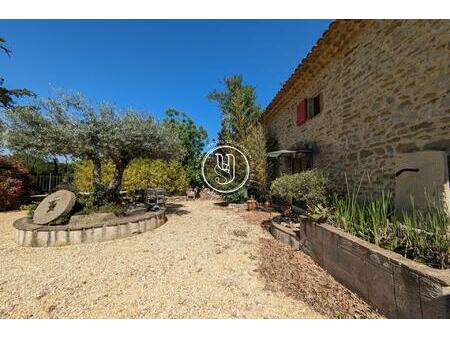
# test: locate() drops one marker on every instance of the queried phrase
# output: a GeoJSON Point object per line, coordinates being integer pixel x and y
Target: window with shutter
{"type": "Point", "coordinates": [310, 109]}
{"type": "Point", "coordinates": [316, 105]}
{"type": "Point", "coordinates": [313, 106]}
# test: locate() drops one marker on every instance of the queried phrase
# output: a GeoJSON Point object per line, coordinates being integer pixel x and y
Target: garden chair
{"type": "Point", "coordinates": [191, 193]}
{"type": "Point", "coordinates": [160, 196]}
{"type": "Point", "coordinates": [138, 196]}
{"type": "Point", "coordinates": [151, 197]}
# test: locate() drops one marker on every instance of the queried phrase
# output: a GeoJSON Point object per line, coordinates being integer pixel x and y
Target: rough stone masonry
{"type": "Point", "coordinates": [384, 90]}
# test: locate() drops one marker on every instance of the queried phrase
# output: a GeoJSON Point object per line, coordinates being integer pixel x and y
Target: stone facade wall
{"type": "Point", "coordinates": [386, 92]}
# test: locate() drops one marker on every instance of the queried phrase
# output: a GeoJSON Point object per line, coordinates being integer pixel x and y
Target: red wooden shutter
{"type": "Point", "coordinates": [301, 112]}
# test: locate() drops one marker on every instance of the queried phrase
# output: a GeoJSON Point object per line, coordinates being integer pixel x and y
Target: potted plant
{"type": "Point", "coordinates": [307, 188]}
{"type": "Point", "coordinates": [251, 203]}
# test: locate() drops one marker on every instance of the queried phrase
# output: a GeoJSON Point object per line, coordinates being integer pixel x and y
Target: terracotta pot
{"type": "Point", "coordinates": [287, 210]}
{"type": "Point", "coordinates": [251, 204]}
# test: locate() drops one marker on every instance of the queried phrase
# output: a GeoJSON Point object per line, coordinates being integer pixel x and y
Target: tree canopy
{"type": "Point", "coordinates": [240, 113]}
{"type": "Point", "coordinates": [193, 139]}
{"type": "Point", "coordinates": [69, 125]}
{"type": "Point", "coordinates": [7, 95]}
{"type": "Point", "coordinates": [237, 103]}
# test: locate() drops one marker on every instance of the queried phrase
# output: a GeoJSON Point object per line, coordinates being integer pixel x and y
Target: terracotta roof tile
{"type": "Point", "coordinates": [338, 34]}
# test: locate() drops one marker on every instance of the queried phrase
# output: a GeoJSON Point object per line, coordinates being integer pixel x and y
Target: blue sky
{"type": "Point", "coordinates": [152, 65]}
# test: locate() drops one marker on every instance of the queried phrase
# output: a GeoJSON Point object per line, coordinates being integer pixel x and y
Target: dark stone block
{"type": "Point", "coordinates": [407, 148]}
{"type": "Point", "coordinates": [365, 153]}
{"type": "Point", "coordinates": [443, 145]}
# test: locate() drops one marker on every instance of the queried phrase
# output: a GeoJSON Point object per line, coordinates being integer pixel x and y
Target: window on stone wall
{"type": "Point", "coordinates": [317, 104]}
{"type": "Point", "coordinates": [313, 106]}
{"type": "Point", "coordinates": [307, 109]}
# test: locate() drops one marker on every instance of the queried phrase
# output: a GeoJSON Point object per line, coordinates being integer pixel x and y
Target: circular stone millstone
{"type": "Point", "coordinates": [54, 206]}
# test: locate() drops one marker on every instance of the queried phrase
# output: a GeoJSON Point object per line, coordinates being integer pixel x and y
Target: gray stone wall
{"type": "Point", "coordinates": [386, 92]}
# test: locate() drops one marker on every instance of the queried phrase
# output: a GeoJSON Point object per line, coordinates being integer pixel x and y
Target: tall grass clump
{"type": "Point", "coordinates": [370, 218]}
{"type": "Point", "coordinates": [426, 233]}
{"type": "Point", "coordinates": [422, 235]}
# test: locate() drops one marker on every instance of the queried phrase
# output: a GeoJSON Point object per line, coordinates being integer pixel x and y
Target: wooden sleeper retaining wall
{"type": "Point", "coordinates": [397, 286]}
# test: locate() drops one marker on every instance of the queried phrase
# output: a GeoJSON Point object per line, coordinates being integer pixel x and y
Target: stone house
{"type": "Point", "coordinates": [368, 91]}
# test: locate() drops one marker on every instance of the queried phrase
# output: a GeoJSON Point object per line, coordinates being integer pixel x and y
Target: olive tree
{"type": "Point", "coordinates": [67, 125]}
{"type": "Point", "coordinates": [131, 136]}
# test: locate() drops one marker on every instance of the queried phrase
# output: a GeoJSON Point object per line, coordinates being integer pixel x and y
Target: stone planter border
{"type": "Point", "coordinates": [29, 234]}
{"type": "Point", "coordinates": [397, 286]}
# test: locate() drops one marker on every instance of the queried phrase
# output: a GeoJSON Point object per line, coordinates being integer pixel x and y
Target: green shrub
{"type": "Point", "coordinates": [95, 202]}
{"type": "Point", "coordinates": [235, 197]}
{"type": "Point", "coordinates": [144, 173]}
{"type": "Point", "coordinates": [116, 209]}
{"type": "Point", "coordinates": [83, 174]}
{"type": "Point", "coordinates": [319, 213]}
{"type": "Point", "coordinates": [307, 187]}
{"type": "Point", "coordinates": [29, 207]}
{"type": "Point", "coordinates": [139, 174]}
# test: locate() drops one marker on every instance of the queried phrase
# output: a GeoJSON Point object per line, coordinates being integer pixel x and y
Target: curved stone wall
{"type": "Point", "coordinates": [29, 234]}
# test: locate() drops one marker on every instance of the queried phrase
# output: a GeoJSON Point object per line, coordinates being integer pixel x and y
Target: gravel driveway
{"type": "Point", "coordinates": [205, 262]}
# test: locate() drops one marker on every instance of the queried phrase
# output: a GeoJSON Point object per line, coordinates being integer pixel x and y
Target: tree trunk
{"type": "Point", "coordinates": [112, 193]}
{"type": "Point", "coordinates": [55, 166]}
{"type": "Point", "coordinates": [97, 174]}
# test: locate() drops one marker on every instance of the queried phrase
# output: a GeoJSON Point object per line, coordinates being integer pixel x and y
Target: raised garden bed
{"type": "Point", "coordinates": [29, 234]}
{"type": "Point", "coordinates": [397, 286]}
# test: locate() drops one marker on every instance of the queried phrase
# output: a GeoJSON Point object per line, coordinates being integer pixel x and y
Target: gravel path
{"type": "Point", "coordinates": [205, 262]}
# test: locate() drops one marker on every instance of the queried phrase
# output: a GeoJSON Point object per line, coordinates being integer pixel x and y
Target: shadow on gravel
{"type": "Point", "coordinates": [176, 209]}
{"type": "Point", "coordinates": [297, 275]}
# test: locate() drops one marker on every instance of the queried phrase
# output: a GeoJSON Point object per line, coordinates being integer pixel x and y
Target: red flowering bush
{"type": "Point", "coordinates": [15, 184]}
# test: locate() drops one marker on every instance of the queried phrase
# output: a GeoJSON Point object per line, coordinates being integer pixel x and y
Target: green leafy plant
{"type": "Point", "coordinates": [193, 138]}
{"type": "Point", "coordinates": [29, 207]}
{"type": "Point", "coordinates": [139, 174]}
{"type": "Point", "coordinates": [319, 213]}
{"type": "Point", "coordinates": [307, 187]}
{"type": "Point", "coordinates": [238, 107]}
{"type": "Point", "coordinates": [116, 209]}
{"type": "Point", "coordinates": [254, 144]}
{"type": "Point", "coordinates": [236, 197]}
